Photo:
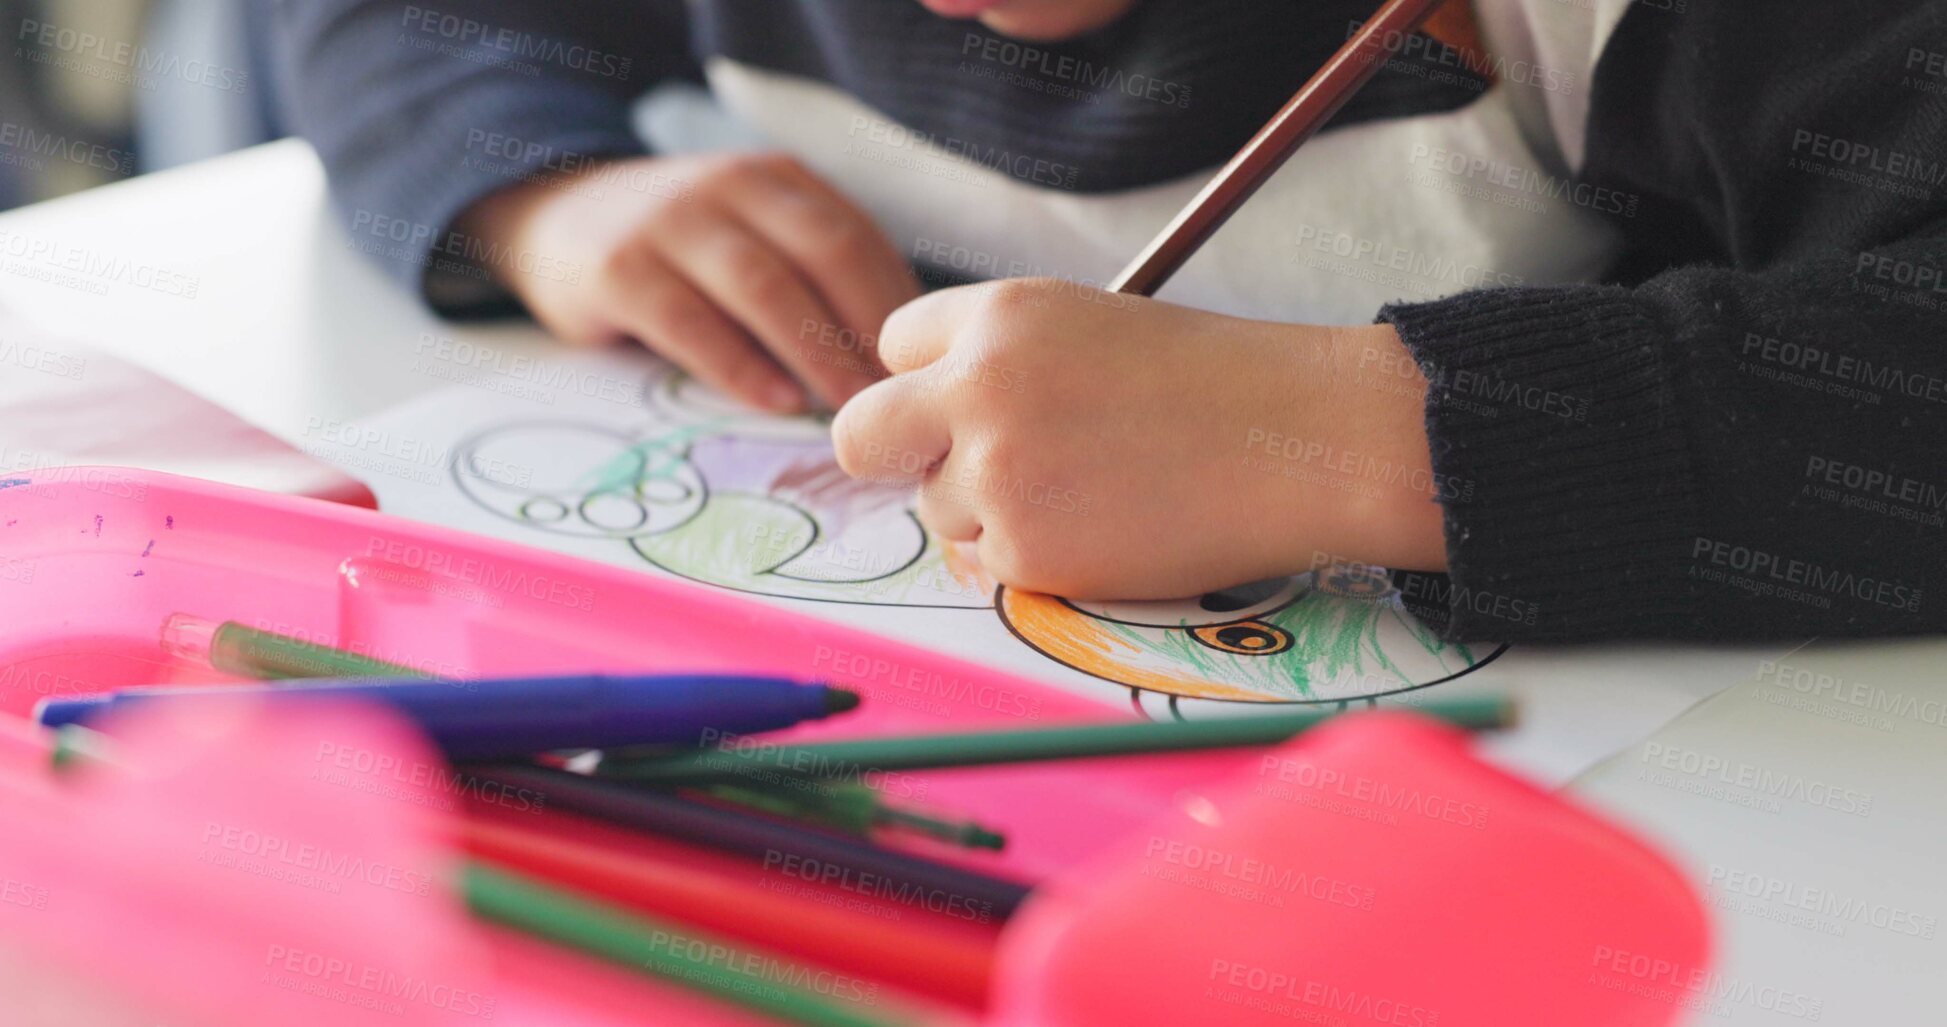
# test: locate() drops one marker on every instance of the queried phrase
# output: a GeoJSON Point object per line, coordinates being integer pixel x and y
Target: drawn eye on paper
{"type": "Point", "coordinates": [710, 491]}
{"type": "Point", "coordinates": [1335, 636]}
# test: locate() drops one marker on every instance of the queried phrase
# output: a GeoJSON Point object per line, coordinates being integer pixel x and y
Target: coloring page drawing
{"type": "Point", "coordinates": [690, 484]}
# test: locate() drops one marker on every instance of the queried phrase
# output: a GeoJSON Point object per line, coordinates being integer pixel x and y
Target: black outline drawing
{"type": "Point", "coordinates": [464, 470]}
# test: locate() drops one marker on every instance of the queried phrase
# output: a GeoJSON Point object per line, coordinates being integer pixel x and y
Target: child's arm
{"type": "Point", "coordinates": [1748, 442]}
{"type": "Point", "coordinates": [1749, 445]}
{"type": "Point", "coordinates": [419, 110]}
{"type": "Point", "coordinates": [482, 148]}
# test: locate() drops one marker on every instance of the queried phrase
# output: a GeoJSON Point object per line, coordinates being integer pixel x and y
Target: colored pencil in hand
{"type": "Point", "coordinates": [1309, 109]}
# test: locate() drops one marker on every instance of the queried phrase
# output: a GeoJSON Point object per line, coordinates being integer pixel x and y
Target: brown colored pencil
{"type": "Point", "coordinates": [1310, 108]}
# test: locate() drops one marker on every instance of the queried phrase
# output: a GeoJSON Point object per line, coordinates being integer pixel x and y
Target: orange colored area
{"type": "Point", "coordinates": [965, 566]}
{"type": "Point", "coordinates": [1088, 645]}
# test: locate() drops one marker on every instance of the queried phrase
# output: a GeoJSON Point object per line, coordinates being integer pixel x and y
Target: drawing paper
{"type": "Point", "coordinates": [618, 457]}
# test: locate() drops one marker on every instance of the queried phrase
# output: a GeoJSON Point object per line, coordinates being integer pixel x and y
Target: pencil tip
{"type": "Point", "coordinates": [1510, 714]}
{"type": "Point", "coordinates": [838, 700]}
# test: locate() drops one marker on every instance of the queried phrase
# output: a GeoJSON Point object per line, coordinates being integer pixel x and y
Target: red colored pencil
{"type": "Point", "coordinates": [1309, 109]}
{"type": "Point", "coordinates": [918, 951]}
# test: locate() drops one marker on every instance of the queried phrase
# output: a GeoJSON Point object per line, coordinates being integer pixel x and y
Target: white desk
{"type": "Point", "coordinates": [287, 323]}
{"type": "Point", "coordinates": [289, 326]}
{"type": "Point", "coordinates": [1810, 802]}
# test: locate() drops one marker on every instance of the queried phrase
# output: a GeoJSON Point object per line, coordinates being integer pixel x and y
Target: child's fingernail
{"type": "Point", "coordinates": [783, 398]}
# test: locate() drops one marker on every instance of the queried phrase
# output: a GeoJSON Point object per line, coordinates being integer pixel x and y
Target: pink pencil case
{"type": "Point", "coordinates": [1245, 886]}
{"type": "Point", "coordinates": [94, 560]}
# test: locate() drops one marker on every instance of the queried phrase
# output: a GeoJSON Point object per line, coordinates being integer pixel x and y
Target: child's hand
{"type": "Point", "coordinates": [1098, 445]}
{"type": "Point", "coordinates": [748, 271]}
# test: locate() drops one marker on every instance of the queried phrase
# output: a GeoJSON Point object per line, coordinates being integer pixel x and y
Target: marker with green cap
{"type": "Point", "coordinates": [240, 649]}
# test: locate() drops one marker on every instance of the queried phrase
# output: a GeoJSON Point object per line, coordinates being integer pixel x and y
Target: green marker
{"type": "Point", "coordinates": [854, 809]}
{"type": "Point", "coordinates": [249, 652]}
{"type": "Point", "coordinates": [76, 746]}
{"type": "Point", "coordinates": [674, 953]}
{"type": "Point", "coordinates": [984, 748]}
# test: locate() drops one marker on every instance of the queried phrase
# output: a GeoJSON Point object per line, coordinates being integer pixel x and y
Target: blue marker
{"type": "Point", "coordinates": [503, 718]}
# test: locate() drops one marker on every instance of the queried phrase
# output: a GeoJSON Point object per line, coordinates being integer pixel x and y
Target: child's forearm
{"type": "Point", "coordinates": [419, 110]}
{"type": "Point", "coordinates": [1374, 444]}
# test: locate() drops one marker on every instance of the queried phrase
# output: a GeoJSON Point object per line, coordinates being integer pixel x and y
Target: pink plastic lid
{"type": "Point", "coordinates": [1373, 872]}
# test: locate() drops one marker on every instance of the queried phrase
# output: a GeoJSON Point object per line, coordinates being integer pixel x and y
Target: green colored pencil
{"type": "Point", "coordinates": [735, 973]}
{"type": "Point", "coordinates": [981, 748]}
{"type": "Point", "coordinates": [240, 649]}
{"type": "Point", "coordinates": [854, 809]}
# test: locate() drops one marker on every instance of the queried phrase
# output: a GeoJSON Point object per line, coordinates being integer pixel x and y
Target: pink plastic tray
{"type": "Point", "coordinates": [93, 560]}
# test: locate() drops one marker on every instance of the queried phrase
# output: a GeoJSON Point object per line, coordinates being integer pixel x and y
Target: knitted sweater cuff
{"type": "Point", "coordinates": [1572, 500]}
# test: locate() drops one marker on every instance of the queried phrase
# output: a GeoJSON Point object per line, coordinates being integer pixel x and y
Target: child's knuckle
{"type": "Point", "coordinates": [745, 170]}
{"type": "Point", "coordinates": [843, 242]}
{"type": "Point", "coordinates": [899, 334]}
{"type": "Point", "coordinates": [665, 224]}
{"type": "Point", "coordinates": [686, 319]}
{"type": "Point", "coordinates": [846, 452]}
{"type": "Point", "coordinates": [715, 185]}
{"type": "Point", "coordinates": [1013, 317]}
{"type": "Point", "coordinates": [988, 406]}
{"type": "Point", "coordinates": [1010, 301]}
{"type": "Point", "coordinates": [760, 274]}
{"type": "Point", "coordinates": [773, 289]}
{"type": "Point", "coordinates": [622, 265]}
{"type": "Point", "coordinates": [849, 443]}
{"type": "Point", "coordinates": [774, 163]}
{"type": "Point", "coordinates": [726, 176]}
{"type": "Point", "coordinates": [748, 377]}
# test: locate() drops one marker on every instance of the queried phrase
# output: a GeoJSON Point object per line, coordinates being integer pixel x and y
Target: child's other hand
{"type": "Point", "coordinates": [746, 270]}
{"type": "Point", "coordinates": [1103, 446]}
